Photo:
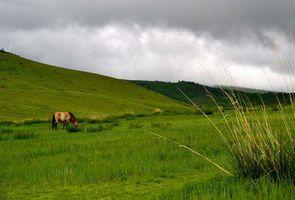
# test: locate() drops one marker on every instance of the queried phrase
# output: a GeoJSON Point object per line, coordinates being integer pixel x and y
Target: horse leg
{"type": "Point", "coordinates": [55, 126]}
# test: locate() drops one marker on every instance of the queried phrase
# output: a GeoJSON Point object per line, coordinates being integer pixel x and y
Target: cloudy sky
{"type": "Point", "coordinates": [246, 43]}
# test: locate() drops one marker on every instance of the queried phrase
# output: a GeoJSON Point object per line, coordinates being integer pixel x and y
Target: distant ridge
{"type": "Point", "coordinates": [200, 95]}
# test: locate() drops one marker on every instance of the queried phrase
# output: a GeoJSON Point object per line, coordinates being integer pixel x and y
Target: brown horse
{"type": "Point", "coordinates": [65, 118]}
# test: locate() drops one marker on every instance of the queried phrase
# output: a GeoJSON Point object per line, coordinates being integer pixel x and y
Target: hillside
{"type": "Point", "coordinates": [201, 96]}
{"type": "Point", "coordinates": [30, 89]}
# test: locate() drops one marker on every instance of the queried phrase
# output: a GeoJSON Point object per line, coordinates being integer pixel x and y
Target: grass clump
{"type": "Point", "coordinates": [160, 124]}
{"type": "Point", "coordinates": [24, 135]}
{"type": "Point", "coordinates": [135, 125]}
{"type": "Point", "coordinates": [128, 116]}
{"type": "Point", "coordinates": [258, 152]}
{"type": "Point", "coordinates": [6, 130]}
{"type": "Point", "coordinates": [158, 111]}
{"type": "Point", "coordinates": [259, 147]}
{"type": "Point", "coordinates": [99, 128]}
{"type": "Point", "coordinates": [72, 129]}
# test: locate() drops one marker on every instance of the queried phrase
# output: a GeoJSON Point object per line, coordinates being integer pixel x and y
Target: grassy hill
{"type": "Point", "coordinates": [201, 96]}
{"type": "Point", "coordinates": [30, 89]}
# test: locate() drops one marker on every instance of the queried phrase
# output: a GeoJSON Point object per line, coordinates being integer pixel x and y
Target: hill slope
{"type": "Point", "coordinates": [30, 89]}
{"type": "Point", "coordinates": [200, 95]}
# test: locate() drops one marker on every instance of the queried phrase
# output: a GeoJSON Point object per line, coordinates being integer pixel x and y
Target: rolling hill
{"type": "Point", "coordinates": [202, 94]}
{"type": "Point", "coordinates": [30, 90]}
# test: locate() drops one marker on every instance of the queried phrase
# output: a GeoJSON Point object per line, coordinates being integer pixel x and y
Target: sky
{"type": "Point", "coordinates": [244, 43]}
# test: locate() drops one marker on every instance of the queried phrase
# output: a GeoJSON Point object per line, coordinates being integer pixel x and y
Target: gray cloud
{"type": "Point", "coordinates": [221, 17]}
{"type": "Point", "coordinates": [157, 39]}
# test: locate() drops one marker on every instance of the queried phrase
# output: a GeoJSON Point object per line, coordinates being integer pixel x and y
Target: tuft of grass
{"type": "Point", "coordinates": [72, 129]}
{"type": "Point", "coordinates": [6, 130]}
{"type": "Point", "coordinates": [258, 152]}
{"type": "Point", "coordinates": [160, 124]}
{"type": "Point", "coordinates": [128, 116]}
{"type": "Point", "coordinates": [158, 111]}
{"type": "Point", "coordinates": [99, 128]}
{"type": "Point", "coordinates": [24, 135]}
{"type": "Point", "coordinates": [208, 112]}
{"type": "Point", "coordinates": [256, 149]}
{"type": "Point", "coordinates": [135, 125]}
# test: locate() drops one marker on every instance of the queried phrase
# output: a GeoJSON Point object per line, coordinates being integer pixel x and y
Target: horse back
{"type": "Point", "coordinates": [62, 116]}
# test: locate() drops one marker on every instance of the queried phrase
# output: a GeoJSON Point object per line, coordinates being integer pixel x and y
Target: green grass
{"type": "Point", "coordinates": [127, 163]}
{"type": "Point", "coordinates": [33, 91]}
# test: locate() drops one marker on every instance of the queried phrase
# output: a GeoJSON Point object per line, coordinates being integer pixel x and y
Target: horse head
{"type": "Point", "coordinates": [75, 122]}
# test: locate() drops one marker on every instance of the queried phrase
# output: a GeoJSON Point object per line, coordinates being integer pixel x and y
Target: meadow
{"type": "Point", "coordinates": [119, 159]}
{"type": "Point", "coordinates": [32, 90]}
{"type": "Point", "coordinates": [134, 143]}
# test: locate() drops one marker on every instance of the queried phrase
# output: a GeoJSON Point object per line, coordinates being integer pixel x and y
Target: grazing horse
{"type": "Point", "coordinates": [65, 118]}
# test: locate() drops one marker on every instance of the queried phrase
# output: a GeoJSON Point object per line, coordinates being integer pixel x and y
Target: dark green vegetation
{"type": "Point", "coordinates": [124, 162]}
{"type": "Point", "coordinates": [202, 95]}
{"type": "Point", "coordinates": [31, 90]}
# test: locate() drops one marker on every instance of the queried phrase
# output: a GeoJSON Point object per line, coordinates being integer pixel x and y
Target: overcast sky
{"type": "Point", "coordinates": [246, 43]}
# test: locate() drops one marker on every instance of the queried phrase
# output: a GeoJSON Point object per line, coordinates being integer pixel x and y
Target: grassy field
{"type": "Point", "coordinates": [113, 155]}
{"type": "Point", "coordinates": [117, 159]}
{"type": "Point", "coordinates": [31, 90]}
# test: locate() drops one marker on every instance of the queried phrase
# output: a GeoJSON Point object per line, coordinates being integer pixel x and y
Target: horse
{"type": "Point", "coordinates": [65, 118]}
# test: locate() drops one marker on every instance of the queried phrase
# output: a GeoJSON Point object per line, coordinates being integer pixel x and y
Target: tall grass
{"type": "Point", "coordinates": [258, 149]}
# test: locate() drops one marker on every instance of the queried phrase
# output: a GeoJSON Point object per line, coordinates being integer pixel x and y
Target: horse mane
{"type": "Point", "coordinates": [72, 115]}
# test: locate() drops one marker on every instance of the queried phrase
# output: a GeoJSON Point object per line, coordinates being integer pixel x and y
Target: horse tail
{"type": "Point", "coordinates": [53, 122]}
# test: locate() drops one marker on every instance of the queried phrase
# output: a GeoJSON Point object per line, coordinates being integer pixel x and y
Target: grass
{"type": "Point", "coordinates": [25, 135]}
{"type": "Point", "coordinates": [126, 163]}
{"type": "Point", "coordinates": [42, 89]}
{"type": "Point", "coordinates": [257, 149]}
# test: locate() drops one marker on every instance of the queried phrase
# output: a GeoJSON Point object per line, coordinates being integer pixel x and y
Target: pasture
{"type": "Point", "coordinates": [118, 159]}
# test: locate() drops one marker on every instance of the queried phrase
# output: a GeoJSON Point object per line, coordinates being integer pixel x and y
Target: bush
{"type": "Point", "coordinates": [24, 135]}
